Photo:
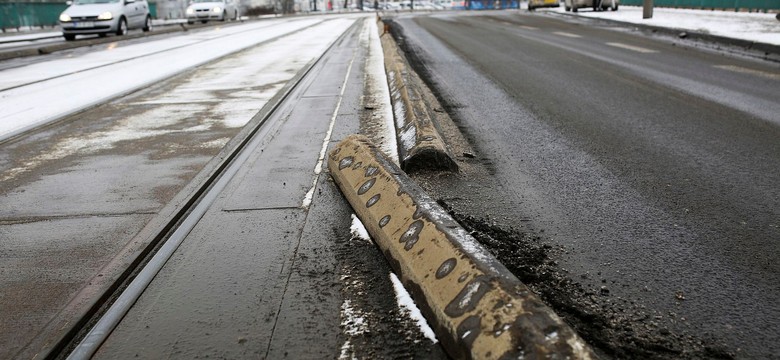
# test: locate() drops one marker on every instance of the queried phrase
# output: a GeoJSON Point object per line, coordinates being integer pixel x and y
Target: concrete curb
{"type": "Point", "coordinates": [420, 146]}
{"type": "Point", "coordinates": [478, 309]}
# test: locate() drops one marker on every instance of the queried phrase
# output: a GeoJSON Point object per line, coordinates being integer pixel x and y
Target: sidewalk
{"type": "Point", "coordinates": [758, 27]}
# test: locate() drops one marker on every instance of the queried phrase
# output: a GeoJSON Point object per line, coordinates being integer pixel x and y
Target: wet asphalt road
{"type": "Point", "coordinates": [654, 165]}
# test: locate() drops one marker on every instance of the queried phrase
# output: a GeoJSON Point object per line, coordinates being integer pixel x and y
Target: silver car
{"type": "Point", "coordinates": [104, 16]}
{"type": "Point", "coordinates": [597, 5]}
{"type": "Point", "coordinates": [205, 10]}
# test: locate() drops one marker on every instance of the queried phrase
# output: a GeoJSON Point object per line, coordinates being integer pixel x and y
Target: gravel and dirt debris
{"type": "Point", "coordinates": [615, 327]}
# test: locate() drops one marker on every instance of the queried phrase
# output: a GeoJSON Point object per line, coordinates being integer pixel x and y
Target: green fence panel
{"type": "Point", "coordinates": [22, 14]}
{"type": "Point", "coordinates": [724, 4]}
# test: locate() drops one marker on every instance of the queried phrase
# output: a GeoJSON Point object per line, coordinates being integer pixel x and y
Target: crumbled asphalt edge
{"type": "Point", "coordinates": [613, 326]}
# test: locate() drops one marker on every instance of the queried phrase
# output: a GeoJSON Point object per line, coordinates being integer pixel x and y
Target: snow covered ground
{"type": "Point", "coordinates": [39, 93]}
{"type": "Point", "coordinates": [763, 28]}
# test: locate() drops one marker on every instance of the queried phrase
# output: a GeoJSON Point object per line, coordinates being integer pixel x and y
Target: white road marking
{"type": "Point", "coordinates": [743, 70]}
{"type": "Point", "coordinates": [561, 33]}
{"type": "Point", "coordinates": [632, 48]}
{"type": "Point", "coordinates": [318, 168]}
{"type": "Point", "coordinates": [528, 27]}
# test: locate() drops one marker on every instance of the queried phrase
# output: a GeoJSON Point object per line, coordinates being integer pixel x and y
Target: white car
{"type": "Point", "coordinates": [205, 10]}
{"type": "Point", "coordinates": [103, 17]}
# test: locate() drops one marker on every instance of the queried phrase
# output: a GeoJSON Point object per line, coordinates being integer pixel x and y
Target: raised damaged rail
{"type": "Point", "coordinates": [420, 145]}
{"type": "Point", "coordinates": [478, 309]}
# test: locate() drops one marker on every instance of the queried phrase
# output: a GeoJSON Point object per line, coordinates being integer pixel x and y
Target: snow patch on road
{"type": "Point", "coordinates": [217, 144]}
{"type": "Point", "coordinates": [354, 323]}
{"type": "Point", "coordinates": [357, 229]}
{"type": "Point", "coordinates": [376, 78]}
{"type": "Point", "coordinates": [409, 307]}
{"type": "Point", "coordinates": [209, 95]}
{"type": "Point", "coordinates": [156, 122]}
{"type": "Point", "coordinates": [347, 351]}
{"type": "Point", "coordinates": [23, 108]}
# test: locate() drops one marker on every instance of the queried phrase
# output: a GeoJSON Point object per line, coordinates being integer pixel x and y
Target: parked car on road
{"type": "Point", "coordinates": [205, 10]}
{"type": "Point", "coordinates": [104, 16]}
{"type": "Point", "coordinates": [573, 5]}
{"type": "Point", "coordinates": [535, 4]}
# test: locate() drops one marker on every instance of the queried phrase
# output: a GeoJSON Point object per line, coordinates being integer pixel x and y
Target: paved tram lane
{"type": "Point", "coordinates": [653, 164]}
{"type": "Point", "coordinates": [227, 290]}
{"type": "Point", "coordinates": [271, 270]}
{"type": "Point", "coordinates": [80, 199]}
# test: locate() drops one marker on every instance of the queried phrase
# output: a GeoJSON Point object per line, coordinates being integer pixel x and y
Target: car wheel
{"type": "Point", "coordinates": [224, 16]}
{"type": "Point", "coordinates": [236, 17]}
{"type": "Point", "coordinates": [190, 22]}
{"type": "Point", "coordinates": [614, 6]}
{"type": "Point", "coordinates": [148, 24]}
{"type": "Point", "coordinates": [122, 28]}
{"type": "Point", "coordinates": [573, 8]}
{"type": "Point", "coordinates": [69, 37]}
{"type": "Point", "coordinates": [567, 8]}
{"type": "Point", "coordinates": [204, 21]}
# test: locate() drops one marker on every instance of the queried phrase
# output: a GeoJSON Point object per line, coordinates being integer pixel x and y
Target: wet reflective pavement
{"type": "Point", "coordinates": [263, 274]}
{"type": "Point", "coordinates": [79, 197]}
{"type": "Point", "coordinates": [649, 176]}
